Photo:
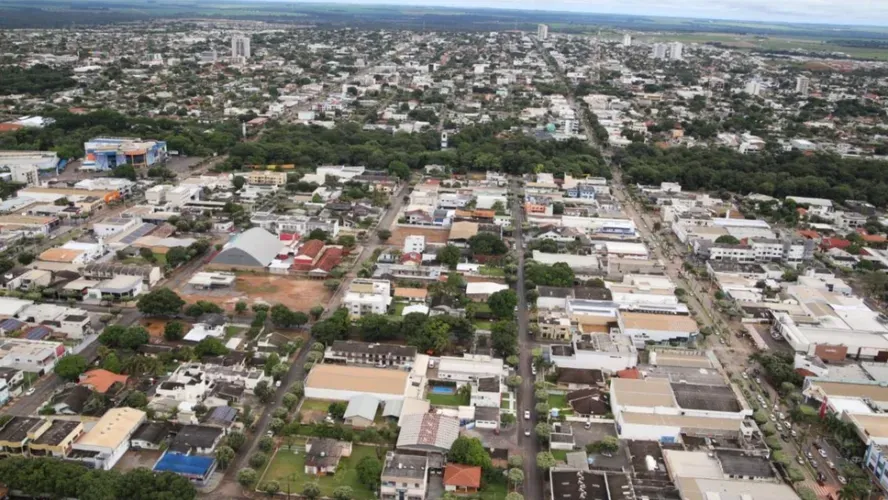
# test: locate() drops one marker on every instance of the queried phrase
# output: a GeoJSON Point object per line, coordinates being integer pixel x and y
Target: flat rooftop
{"type": "Point", "coordinates": [874, 392]}
{"type": "Point", "coordinates": [115, 426]}
{"type": "Point", "coordinates": [16, 430]}
{"type": "Point", "coordinates": [875, 425]}
{"type": "Point", "coordinates": [681, 421]}
{"type": "Point", "coordinates": [729, 489]}
{"type": "Point", "coordinates": [707, 376]}
{"type": "Point", "coordinates": [659, 322]}
{"type": "Point", "coordinates": [646, 393]}
{"type": "Point", "coordinates": [358, 378]}
{"type": "Point", "coordinates": [738, 464]}
{"type": "Point", "coordinates": [57, 432]}
{"type": "Point", "coordinates": [705, 397]}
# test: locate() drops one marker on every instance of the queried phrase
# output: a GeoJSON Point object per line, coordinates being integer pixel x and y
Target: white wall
{"type": "Point", "coordinates": [342, 395]}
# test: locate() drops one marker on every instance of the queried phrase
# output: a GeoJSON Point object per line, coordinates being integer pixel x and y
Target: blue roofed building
{"type": "Point", "coordinates": [196, 468]}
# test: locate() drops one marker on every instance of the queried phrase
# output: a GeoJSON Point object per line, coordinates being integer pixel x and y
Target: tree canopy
{"type": "Point", "coordinates": [160, 302]}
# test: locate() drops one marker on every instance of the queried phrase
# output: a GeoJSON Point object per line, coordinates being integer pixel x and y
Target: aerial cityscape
{"type": "Point", "coordinates": [357, 251]}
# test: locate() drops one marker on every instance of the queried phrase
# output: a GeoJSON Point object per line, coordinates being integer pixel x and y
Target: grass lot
{"type": "Point", "coordinates": [482, 325]}
{"type": "Point", "coordinates": [289, 468]}
{"type": "Point", "coordinates": [399, 308]}
{"type": "Point", "coordinates": [316, 404]}
{"type": "Point", "coordinates": [231, 331]}
{"type": "Point", "coordinates": [557, 401]}
{"type": "Point", "coordinates": [494, 491]}
{"type": "Point", "coordinates": [447, 400]}
{"type": "Point", "coordinates": [560, 455]}
{"type": "Point", "coordinates": [496, 272]}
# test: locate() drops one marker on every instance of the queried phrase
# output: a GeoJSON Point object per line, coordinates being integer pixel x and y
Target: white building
{"type": "Point", "coordinates": [109, 439]}
{"type": "Point", "coordinates": [658, 51]}
{"type": "Point", "coordinates": [608, 352]}
{"type": "Point", "coordinates": [542, 31]}
{"type": "Point", "coordinates": [240, 46]}
{"type": "Point", "coordinates": [675, 49]}
{"type": "Point", "coordinates": [802, 83]}
{"type": "Point", "coordinates": [34, 356]}
{"type": "Point", "coordinates": [114, 225]}
{"type": "Point", "coordinates": [627, 40]}
{"type": "Point", "coordinates": [816, 206]}
{"type": "Point", "coordinates": [469, 368]}
{"type": "Point", "coordinates": [368, 296]}
{"type": "Point", "coordinates": [486, 392]}
{"type": "Point", "coordinates": [414, 244]}
{"type": "Point", "coordinates": [72, 322]}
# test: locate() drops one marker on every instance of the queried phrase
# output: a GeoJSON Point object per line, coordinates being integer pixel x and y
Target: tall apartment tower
{"type": "Point", "coordinates": [627, 40]}
{"type": "Point", "coordinates": [802, 85]}
{"type": "Point", "coordinates": [658, 51]}
{"type": "Point", "coordinates": [240, 46]}
{"type": "Point", "coordinates": [542, 31]}
{"type": "Point", "coordinates": [675, 51]}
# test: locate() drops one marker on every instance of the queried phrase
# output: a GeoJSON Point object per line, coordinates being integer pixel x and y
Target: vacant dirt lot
{"type": "Point", "coordinates": [432, 235]}
{"type": "Point", "coordinates": [299, 294]}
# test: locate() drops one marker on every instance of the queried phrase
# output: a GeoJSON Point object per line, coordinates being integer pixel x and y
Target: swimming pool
{"type": "Point", "coordinates": [440, 389]}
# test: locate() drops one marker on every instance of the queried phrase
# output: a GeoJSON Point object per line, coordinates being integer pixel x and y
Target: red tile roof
{"type": "Point", "coordinates": [331, 258]}
{"type": "Point", "coordinates": [467, 476]}
{"type": "Point", "coordinates": [411, 257]}
{"type": "Point", "coordinates": [101, 380]}
{"type": "Point", "coordinates": [835, 243]}
{"type": "Point", "coordinates": [629, 373]}
{"type": "Point", "coordinates": [809, 233]}
{"type": "Point", "coordinates": [311, 248]}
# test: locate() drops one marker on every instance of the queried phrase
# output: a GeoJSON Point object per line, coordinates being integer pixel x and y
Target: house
{"type": "Point", "coordinates": [109, 439]}
{"type": "Point", "coordinates": [196, 439]}
{"type": "Point", "coordinates": [150, 435]}
{"type": "Point", "coordinates": [486, 392]}
{"type": "Point", "coordinates": [361, 411]}
{"type": "Point", "coordinates": [577, 378]}
{"type": "Point", "coordinates": [404, 477]}
{"type": "Point", "coordinates": [101, 381]}
{"type": "Point", "coordinates": [428, 432]}
{"type": "Point", "coordinates": [322, 455]}
{"type": "Point", "coordinates": [418, 295]}
{"type": "Point", "coordinates": [415, 243]}
{"type": "Point", "coordinates": [462, 479]}
{"type": "Point", "coordinates": [588, 402]}
{"type": "Point", "coordinates": [71, 401]}
{"type": "Point", "coordinates": [470, 367]}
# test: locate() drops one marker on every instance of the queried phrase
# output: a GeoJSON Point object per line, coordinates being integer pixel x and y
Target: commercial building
{"type": "Point", "coordinates": [428, 432]}
{"type": "Point", "coordinates": [267, 177]}
{"type": "Point", "coordinates": [106, 153]}
{"type": "Point", "coordinates": [34, 356]}
{"type": "Point", "coordinates": [469, 368]}
{"type": "Point", "coordinates": [253, 249]}
{"type": "Point", "coordinates": [365, 353]}
{"type": "Point", "coordinates": [27, 161]}
{"type": "Point", "coordinates": [29, 224]}
{"type": "Point", "coordinates": [53, 438]}
{"type": "Point", "coordinates": [103, 445]}
{"type": "Point", "coordinates": [342, 382]}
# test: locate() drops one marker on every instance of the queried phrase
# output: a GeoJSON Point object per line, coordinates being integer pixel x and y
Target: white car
{"type": "Point", "coordinates": [526, 414]}
{"type": "Point", "coordinates": [822, 452]}
{"type": "Point", "coordinates": [842, 480]}
{"type": "Point", "coordinates": [745, 376]}
{"type": "Point", "coordinates": [527, 432]}
{"type": "Point", "coordinates": [533, 370]}
{"type": "Point", "coordinates": [30, 391]}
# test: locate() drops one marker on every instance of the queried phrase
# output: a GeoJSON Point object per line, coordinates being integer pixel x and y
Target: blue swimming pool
{"type": "Point", "coordinates": [439, 389]}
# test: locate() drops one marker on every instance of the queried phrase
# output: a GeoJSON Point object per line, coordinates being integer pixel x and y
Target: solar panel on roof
{"type": "Point", "coordinates": [10, 325]}
{"type": "Point", "coordinates": [38, 333]}
{"type": "Point", "coordinates": [137, 233]}
{"type": "Point", "coordinates": [223, 413]}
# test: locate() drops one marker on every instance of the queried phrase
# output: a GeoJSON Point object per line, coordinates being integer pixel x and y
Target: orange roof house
{"type": "Point", "coordinates": [462, 478]}
{"type": "Point", "coordinates": [411, 293]}
{"type": "Point", "coordinates": [101, 380]}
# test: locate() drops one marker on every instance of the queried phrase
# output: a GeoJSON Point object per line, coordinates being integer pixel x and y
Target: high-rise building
{"type": "Point", "coordinates": [240, 46]}
{"type": "Point", "coordinates": [542, 31]}
{"type": "Point", "coordinates": [658, 51]}
{"type": "Point", "coordinates": [753, 87]}
{"type": "Point", "coordinates": [627, 40]}
{"type": "Point", "coordinates": [675, 51]}
{"type": "Point", "coordinates": [802, 85]}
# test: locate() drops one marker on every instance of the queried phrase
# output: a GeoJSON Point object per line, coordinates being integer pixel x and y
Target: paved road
{"type": "Point", "coordinates": [296, 372]}
{"type": "Point", "coordinates": [49, 384]}
{"type": "Point", "coordinates": [533, 478]}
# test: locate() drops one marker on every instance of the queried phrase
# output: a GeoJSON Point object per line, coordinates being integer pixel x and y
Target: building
{"type": "Point", "coordinates": [253, 249]}
{"type": "Point", "coordinates": [361, 411]}
{"type": "Point", "coordinates": [106, 153]}
{"type": "Point", "coordinates": [342, 383]}
{"type": "Point", "coordinates": [486, 392]}
{"type": "Point", "coordinates": [240, 47]}
{"type": "Point", "coordinates": [404, 477]}
{"type": "Point", "coordinates": [14, 434]}
{"type": "Point", "coordinates": [627, 40]}
{"type": "Point", "coordinates": [414, 244]}
{"type": "Point", "coordinates": [267, 177]}
{"type": "Point", "coordinates": [34, 356]}
{"type": "Point", "coordinates": [658, 51]}
{"type": "Point", "coordinates": [582, 484]}
{"type": "Point", "coordinates": [367, 296]}
{"type": "Point", "coordinates": [481, 291]}
{"type": "Point", "coordinates": [462, 479]}
{"type": "Point", "coordinates": [150, 275]}
{"type": "Point", "coordinates": [675, 49]}
{"type": "Point", "coordinates": [53, 438]}
{"type": "Point", "coordinates": [469, 368]}
{"type": "Point", "coordinates": [212, 280]}
{"type": "Point", "coordinates": [102, 381]}
{"type": "Point", "coordinates": [428, 432]}
{"type": "Point", "coordinates": [365, 353]}
{"type": "Point", "coordinates": [322, 455]}
{"type": "Point", "coordinates": [542, 31]}
{"type": "Point", "coordinates": [802, 83]}
{"type": "Point", "coordinates": [74, 323]}
{"type": "Point", "coordinates": [196, 469]}
{"type": "Point", "coordinates": [109, 439]}
{"type": "Point", "coordinates": [26, 161]}
{"type": "Point", "coordinates": [75, 252]}
{"type": "Point", "coordinates": [658, 328]}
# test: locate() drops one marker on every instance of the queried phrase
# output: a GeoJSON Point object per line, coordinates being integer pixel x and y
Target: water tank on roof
{"type": "Point", "coordinates": [651, 463]}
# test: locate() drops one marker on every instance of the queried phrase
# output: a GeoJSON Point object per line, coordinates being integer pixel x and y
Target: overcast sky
{"type": "Point", "coordinates": [867, 12]}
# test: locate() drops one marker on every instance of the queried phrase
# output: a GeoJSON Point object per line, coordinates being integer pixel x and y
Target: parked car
{"type": "Point", "coordinates": [30, 391]}
{"type": "Point", "coordinates": [822, 452]}
{"type": "Point", "coordinates": [842, 480]}
{"type": "Point", "coordinates": [527, 416]}
{"type": "Point", "coordinates": [527, 432]}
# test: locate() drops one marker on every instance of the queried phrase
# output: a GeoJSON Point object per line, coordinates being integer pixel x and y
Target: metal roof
{"type": "Point", "coordinates": [10, 325]}
{"type": "Point", "coordinates": [254, 247]}
{"type": "Point", "coordinates": [363, 406]}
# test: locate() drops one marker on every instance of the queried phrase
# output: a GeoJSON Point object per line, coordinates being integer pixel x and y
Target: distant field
{"type": "Point", "coordinates": [770, 43]}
